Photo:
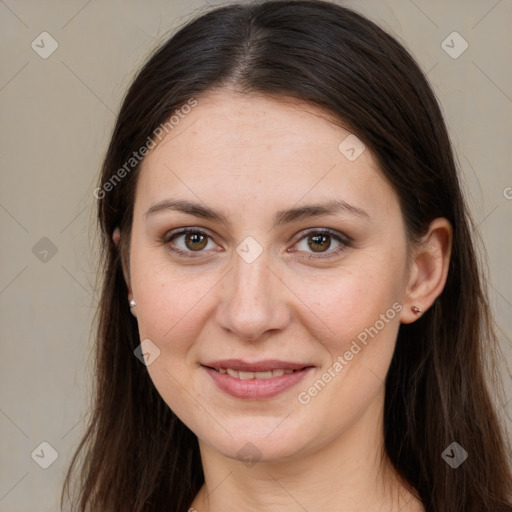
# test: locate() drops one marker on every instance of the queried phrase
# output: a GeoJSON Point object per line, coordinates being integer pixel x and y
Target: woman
{"type": "Point", "coordinates": [292, 317]}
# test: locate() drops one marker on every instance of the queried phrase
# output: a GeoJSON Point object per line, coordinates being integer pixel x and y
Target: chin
{"type": "Point", "coordinates": [252, 442]}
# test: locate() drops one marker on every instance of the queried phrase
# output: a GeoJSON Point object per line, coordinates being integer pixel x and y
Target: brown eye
{"type": "Point", "coordinates": [195, 241]}
{"type": "Point", "coordinates": [319, 243]}
{"type": "Point", "coordinates": [188, 241]}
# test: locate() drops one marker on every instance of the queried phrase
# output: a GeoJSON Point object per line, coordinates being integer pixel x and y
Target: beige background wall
{"type": "Point", "coordinates": [57, 114]}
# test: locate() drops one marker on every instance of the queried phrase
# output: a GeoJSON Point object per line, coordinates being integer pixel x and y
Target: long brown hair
{"type": "Point", "coordinates": [136, 455]}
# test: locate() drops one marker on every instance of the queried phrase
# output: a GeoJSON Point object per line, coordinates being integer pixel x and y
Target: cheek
{"type": "Point", "coordinates": [168, 298]}
{"type": "Point", "coordinates": [351, 301]}
{"type": "Point", "coordinates": [170, 306]}
{"type": "Point", "coordinates": [363, 316]}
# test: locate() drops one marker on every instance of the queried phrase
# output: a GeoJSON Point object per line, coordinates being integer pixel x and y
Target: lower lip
{"type": "Point", "coordinates": [256, 388]}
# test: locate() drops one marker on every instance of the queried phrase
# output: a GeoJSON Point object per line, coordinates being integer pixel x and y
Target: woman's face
{"type": "Point", "coordinates": [275, 320]}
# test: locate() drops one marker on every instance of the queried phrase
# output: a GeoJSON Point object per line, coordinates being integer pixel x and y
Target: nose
{"type": "Point", "coordinates": [254, 300]}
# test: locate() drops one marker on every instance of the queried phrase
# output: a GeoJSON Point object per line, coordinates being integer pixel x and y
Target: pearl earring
{"type": "Point", "coordinates": [132, 303]}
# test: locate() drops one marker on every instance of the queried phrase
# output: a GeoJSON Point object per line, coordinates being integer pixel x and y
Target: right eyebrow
{"type": "Point", "coordinates": [196, 209]}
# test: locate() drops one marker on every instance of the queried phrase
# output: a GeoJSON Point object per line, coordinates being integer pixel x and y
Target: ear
{"type": "Point", "coordinates": [116, 237]}
{"type": "Point", "coordinates": [428, 269]}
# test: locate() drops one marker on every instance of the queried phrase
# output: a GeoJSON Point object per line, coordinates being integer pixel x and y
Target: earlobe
{"type": "Point", "coordinates": [429, 270]}
{"type": "Point", "coordinates": [116, 236]}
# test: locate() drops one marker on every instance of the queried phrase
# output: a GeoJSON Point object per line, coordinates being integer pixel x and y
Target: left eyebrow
{"type": "Point", "coordinates": [280, 218]}
{"type": "Point", "coordinates": [315, 210]}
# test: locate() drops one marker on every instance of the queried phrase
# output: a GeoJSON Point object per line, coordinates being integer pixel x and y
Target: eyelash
{"type": "Point", "coordinates": [344, 241]}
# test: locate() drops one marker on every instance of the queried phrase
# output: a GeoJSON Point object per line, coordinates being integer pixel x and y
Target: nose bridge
{"type": "Point", "coordinates": [252, 302]}
{"type": "Point", "coordinates": [251, 280]}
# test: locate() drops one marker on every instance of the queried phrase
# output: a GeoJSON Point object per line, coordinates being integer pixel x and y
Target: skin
{"type": "Point", "coordinates": [250, 156]}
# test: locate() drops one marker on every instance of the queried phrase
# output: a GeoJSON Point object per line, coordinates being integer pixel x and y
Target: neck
{"type": "Point", "coordinates": [350, 473]}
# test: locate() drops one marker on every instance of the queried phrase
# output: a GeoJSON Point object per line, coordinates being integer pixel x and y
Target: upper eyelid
{"type": "Point", "coordinates": [329, 231]}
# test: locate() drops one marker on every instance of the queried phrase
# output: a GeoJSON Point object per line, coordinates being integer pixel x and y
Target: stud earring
{"type": "Point", "coordinates": [132, 303]}
{"type": "Point", "coordinates": [416, 310]}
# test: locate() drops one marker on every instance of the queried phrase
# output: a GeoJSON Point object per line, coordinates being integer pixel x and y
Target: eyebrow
{"type": "Point", "coordinates": [280, 218]}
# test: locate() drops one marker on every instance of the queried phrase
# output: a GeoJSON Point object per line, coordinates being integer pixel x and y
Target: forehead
{"type": "Point", "coordinates": [244, 148]}
{"type": "Point", "coordinates": [225, 123]}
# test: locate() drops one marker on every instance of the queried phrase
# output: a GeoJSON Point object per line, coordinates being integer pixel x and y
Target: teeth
{"type": "Point", "coordinates": [254, 375]}
{"type": "Point", "coordinates": [263, 375]}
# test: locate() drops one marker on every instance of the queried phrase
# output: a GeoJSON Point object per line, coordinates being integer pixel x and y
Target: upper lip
{"type": "Point", "coordinates": [256, 366]}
